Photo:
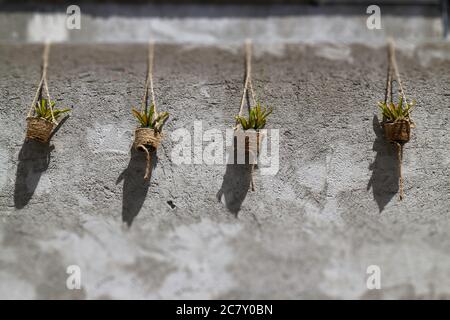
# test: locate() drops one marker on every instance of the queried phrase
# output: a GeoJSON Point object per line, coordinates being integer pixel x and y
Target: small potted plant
{"type": "Point", "coordinates": [147, 137]}
{"type": "Point", "coordinates": [396, 120]}
{"type": "Point", "coordinates": [41, 125]}
{"type": "Point", "coordinates": [148, 134]}
{"type": "Point", "coordinates": [251, 126]}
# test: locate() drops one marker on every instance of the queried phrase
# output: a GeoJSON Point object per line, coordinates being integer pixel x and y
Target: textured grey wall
{"type": "Point", "coordinates": [308, 232]}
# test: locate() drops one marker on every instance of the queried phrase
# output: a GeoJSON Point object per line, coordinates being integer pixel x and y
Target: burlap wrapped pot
{"type": "Point", "coordinates": [146, 137]}
{"type": "Point", "coordinates": [398, 131]}
{"type": "Point", "coordinates": [146, 140]}
{"type": "Point", "coordinates": [39, 129]}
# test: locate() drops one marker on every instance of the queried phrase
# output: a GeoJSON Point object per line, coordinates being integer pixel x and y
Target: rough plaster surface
{"type": "Point", "coordinates": [310, 231]}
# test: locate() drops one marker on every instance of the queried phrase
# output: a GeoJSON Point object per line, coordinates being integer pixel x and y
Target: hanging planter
{"type": "Point", "coordinates": [397, 123]}
{"type": "Point", "coordinates": [40, 126]}
{"type": "Point", "coordinates": [147, 137]}
{"type": "Point", "coordinates": [247, 129]}
{"type": "Point", "coordinates": [42, 117]}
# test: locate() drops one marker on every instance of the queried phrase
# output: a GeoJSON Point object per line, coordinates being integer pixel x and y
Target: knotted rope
{"type": "Point", "coordinates": [142, 135]}
{"type": "Point", "coordinates": [43, 84]}
{"type": "Point", "coordinates": [394, 68]}
{"type": "Point", "coordinates": [248, 77]}
{"type": "Point", "coordinates": [394, 73]}
{"type": "Point", "coordinates": [149, 79]}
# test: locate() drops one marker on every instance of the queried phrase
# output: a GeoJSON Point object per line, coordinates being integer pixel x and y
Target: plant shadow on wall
{"type": "Point", "coordinates": [135, 187]}
{"type": "Point", "coordinates": [236, 183]}
{"type": "Point", "coordinates": [385, 175]}
{"type": "Point", "coordinates": [239, 174]}
{"type": "Point", "coordinates": [34, 159]}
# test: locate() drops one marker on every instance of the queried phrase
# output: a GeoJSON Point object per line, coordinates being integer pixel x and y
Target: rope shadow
{"type": "Point", "coordinates": [135, 187]}
{"type": "Point", "coordinates": [236, 183]}
{"type": "Point", "coordinates": [385, 175]}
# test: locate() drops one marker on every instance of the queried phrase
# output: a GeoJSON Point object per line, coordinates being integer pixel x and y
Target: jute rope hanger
{"type": "Point", "coordinates": [248, 77]}
{"type": "Point", "coordinates": [154, 139]}
{"type": "Point", "coordinates": [149, 79]}
{"type": "Point", "coordinates": [43, 84]}
{"type": "Point", "coordinates": [248, 87]}
{"type": "Point", "coordinates": [394, 73]}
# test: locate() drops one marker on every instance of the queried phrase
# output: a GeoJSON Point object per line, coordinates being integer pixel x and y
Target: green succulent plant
{"type": "Point", "coordinates": [392, 112]}
{"type": "Point", "coordinates": [256, 119]}
{"type": "Point", "coordinates": [151, 119]}
{"type": "Point", "coordinates": [43, 110]}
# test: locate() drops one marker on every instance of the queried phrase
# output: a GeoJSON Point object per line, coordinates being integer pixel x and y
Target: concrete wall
{"type": "Point", "coordinates": [310, 231]}
{"type": "Point", "coordinates": [212, 24]}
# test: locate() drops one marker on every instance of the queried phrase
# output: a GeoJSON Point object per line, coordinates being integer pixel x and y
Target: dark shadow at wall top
{"type": "Point", "coordinates": [227, 8]}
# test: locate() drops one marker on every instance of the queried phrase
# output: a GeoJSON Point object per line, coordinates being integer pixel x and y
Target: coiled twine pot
{"type": "Point", "coordinates": [39, 129]}
{"type": "Point", "coordinates": [147, 137]}
{"type": "Point", "coordinates": [398, 131]}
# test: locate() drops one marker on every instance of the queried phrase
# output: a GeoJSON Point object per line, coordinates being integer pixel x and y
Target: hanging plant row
{"type": "Point", "coordinates": [396, 116]}
{"type": "Point", "coordinates": [397, 121]}
{"type": "Point", "coordinates": [42, 117]}
{"type": "Point", "coordinates": [147, 137]}
{"type": "Point", "coordinates": [248, 128]}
